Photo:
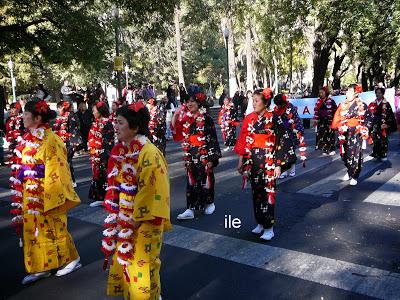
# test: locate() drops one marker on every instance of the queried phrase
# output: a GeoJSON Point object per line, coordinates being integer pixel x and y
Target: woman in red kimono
{"type": "Point", "coordinates": [324, 111]}
{"type": "Point", "coordinates": [100, 143]}
{"type": "Point", "coordinates": [227, 120]}
{"type": "Point", "coordinates": [265, 150]}
{"type": "Point", "coordinates": [67, 127]}
{"type": "Point", "coordinates": [352, 121]}
{"type": "Point", "coordinates": [383, 124]}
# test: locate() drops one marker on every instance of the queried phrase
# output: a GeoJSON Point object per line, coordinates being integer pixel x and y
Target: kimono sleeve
{"type": "Point", "coordinates": [297, 120]}
{"type": "Point", "coordinates": [285, 155]}
{"type": "Point", "coordinates": [59, 195]}
{"type": "Point", "coordinates": [240, 147]}
{"type": "Point", "coordinates": [153, 197]}
{"type": "Point", "coordinates": [336, 119]}
{"type": "Point", "coordinates": [108, 140]}
{"type": "Point", "coordinates": [214, 151]}
{"type": "Point", "coordinates": [368, 118]}
{"type": "Point", "coordinates": [74, 129]}
{"type": "Point", "coordinates": [391, 119]}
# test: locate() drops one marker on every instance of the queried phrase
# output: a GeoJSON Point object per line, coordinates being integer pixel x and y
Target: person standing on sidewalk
{"type": "Point", "coordinates": [138, 207]}
{"type": "Point", "coordinates": [42, 195]}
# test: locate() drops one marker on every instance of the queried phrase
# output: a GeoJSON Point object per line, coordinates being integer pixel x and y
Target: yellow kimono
{"type": "Point", "coordinates": [47, 243]}
{"type": "Point", "coordinates": [151, 207]}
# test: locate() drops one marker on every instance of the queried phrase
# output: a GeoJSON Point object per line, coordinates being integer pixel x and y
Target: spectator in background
{"type": "Point", "coordinates": [182, 93]}
{"type": "Point", "coordinates": [171, 95]}
{"type": "Point", "coordinates": [2, 137]}
{"type": "Point", "coordinates": [397, 107]}
{"type": "Point", "coordinates": [66, 91]}
{"type": "Point", "coordinates": [86, 119]}
{"type": "Point", "coordinates": [242, 103]}
{"type": "Point", "coordinates": [249, 100]}
{"type": "Point", "coordinates": [41, 93]}
{"type": "Point", "coordinates": [235, 100]}
{"type": "Point", "coordinates": [222, 98]}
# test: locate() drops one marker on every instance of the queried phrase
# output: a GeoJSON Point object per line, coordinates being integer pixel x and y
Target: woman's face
{"type": "Point", "coordinates": [114, 107]}
{"type": "Point", "coordinates": [322, 94]}
{"type": "Point", "coordinates": [249, 95]}
{"type": "Point", "coordinates": [31, 122]}
{"type": "Point", "coordinates": [96, 113]}
{"type": "Point", "coordinates": [379, 94]}
{"type": "Point", "coordinates": [350, 94]}
{"type": "Point", "coordinates": [258, 104]}
{"type": "Point", "coordinates": [122, 130]}
{"type": "Point", "coordinates": [192, 105]}
{"type": "Point", "coordinates": [226, 101]}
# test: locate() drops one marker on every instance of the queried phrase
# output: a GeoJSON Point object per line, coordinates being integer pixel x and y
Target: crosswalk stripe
{"type": "Point", "coordinates": [322, 270]}
{"type": "Point", "coordinates": [339, 274]}
{"type": "Point", "coordinates": [387, 194]}
{"type": "Point", "coordinates": [327, 186]}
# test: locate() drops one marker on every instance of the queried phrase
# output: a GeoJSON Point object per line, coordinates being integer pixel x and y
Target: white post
{"type": "Point", "coordinates": [13, 81]}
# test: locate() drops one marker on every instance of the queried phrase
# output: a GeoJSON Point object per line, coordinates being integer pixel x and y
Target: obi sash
{"type": "Point", "coordinates": [194, 141]}
{"type": "Point", "coordinates": [261, 140]}
{"type": "Point", "coordinates": [31, 171]}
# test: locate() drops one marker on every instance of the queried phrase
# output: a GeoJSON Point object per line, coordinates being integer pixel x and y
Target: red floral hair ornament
{"type": "Point", "coordinates": [18, 105]}
{"type": "Point", "coordinates": [267, 93]}
{"type": "Point", "coordinates": [151, 101]}
{"type": "Point", "coordinates": [100, 104]}
{"type": "Point", "coordinates": [66, 104]}
{"type": "Point", "coordinates": [136, 106]}
{"type": "Point", "coordinates": [358, 89]}
{"type": "Point", "coordinates": [42, 107]}
{"type": "Point", "coordinates": [201, 97]}
{"type": "Point", "coordinates": [284, 98]}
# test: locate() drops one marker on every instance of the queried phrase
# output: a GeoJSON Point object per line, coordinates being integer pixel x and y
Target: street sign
{"type": "Point", "coordinates": [118, 63]}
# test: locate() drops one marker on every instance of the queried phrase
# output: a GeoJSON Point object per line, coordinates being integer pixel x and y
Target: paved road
{"type": "Point", "coordinates": [332, 241]}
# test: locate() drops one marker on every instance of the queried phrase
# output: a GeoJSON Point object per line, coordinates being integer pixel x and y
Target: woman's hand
{"type": "Point", "coordinates": [277, 172]}
{"type": "Point", "coordinates": [240, 165]}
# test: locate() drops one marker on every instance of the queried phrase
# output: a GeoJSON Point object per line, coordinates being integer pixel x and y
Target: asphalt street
{"type": "Point", "coordinates": [332, 241]}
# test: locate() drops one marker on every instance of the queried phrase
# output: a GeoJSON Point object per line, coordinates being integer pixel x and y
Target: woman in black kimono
{"type": "Point", "coordinates": [383, 123]}
{"type": "Point", "coordinates": [157, 124]}
{"type": "Point", "coordinates": [100, 144]}
{"type": "Point", "coordinates": [265, 149]}
{"type": "Point", "coordinates": [227, 120]}
{"type": "Point", "coordinates": [67, 127]}
{"type": "Point", "coordinates": [324, 111]}
{"type": "Point", "coordinates": [201, 156]}
{"type": "Point", "coordinates": [353, 122]}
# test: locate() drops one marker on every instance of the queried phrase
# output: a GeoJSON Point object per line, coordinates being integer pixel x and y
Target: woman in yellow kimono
{"type": "Point", "coordinates": [42, 195]}
{"type": "Point", "coordinates": [137, 202]}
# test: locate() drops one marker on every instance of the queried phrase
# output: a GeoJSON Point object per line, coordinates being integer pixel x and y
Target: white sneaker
{"type": "Point", "coordinates": [186, 215]}
{"type": "Point", "coordinates": [72, 266]}
{"type": "Point", "coordinates": [384, 159]}
{"type": "Point", "coordinates": [210, 208]}
{"type": "Point", "coordinates": [283, 175]}
{"type": "Point", "coordinates": [268, 234]}
{"type": "Point", "coordinates": [74, 184]}
{"type": "Point", "coordinates": [292, 173]}
{"type": "Point", "coordinates": [96, 203]}
{"type": "Point", "coordinates": [353, 181]}
{"type": "Point", "coordinates": [346, 177]}
{"type": "Point", "coordinates": [35, 277]}
{"type": "Point", "coordinates": [332, 153]}
{"type": "Point", "coordinates": [325, 154]}
{"type": "Point", "coordinates": [226, 149]}
{"type": "Point", "coordinates": [258, 229]}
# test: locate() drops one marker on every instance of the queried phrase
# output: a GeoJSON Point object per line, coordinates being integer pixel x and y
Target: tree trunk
{"type": "Point", "coordinates": [178, 45]}
{"type": "Point", "coordinates": [233, 87]}
{"type": "Point", "coordinates": [320, 62]}
{"type": "Point", "coordinates": [276, 82]}
{"type": "Point", "coordinates": [335, 72]}
{"type": "Point", "coordinates": [249, 63]}
{"type": "Point", "coordinates": [291, 66]}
